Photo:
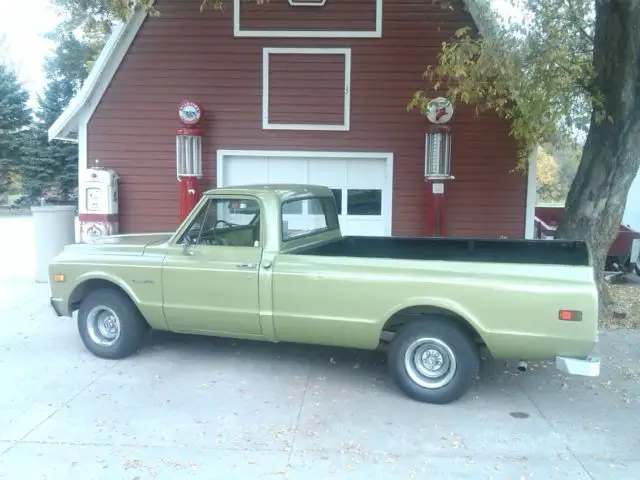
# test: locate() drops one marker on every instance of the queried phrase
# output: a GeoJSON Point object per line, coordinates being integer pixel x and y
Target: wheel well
{"type": "Point", "coordinates": [85, 288]}
{"type": "Point", "coordinates": [418, 313]}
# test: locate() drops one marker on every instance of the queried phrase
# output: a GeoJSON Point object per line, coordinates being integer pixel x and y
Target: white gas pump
{"type": "Point", "coordinates": [98, 209]}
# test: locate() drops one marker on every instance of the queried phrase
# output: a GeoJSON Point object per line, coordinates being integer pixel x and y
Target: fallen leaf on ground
{"type": "Point", "coordinates": [625, 311]}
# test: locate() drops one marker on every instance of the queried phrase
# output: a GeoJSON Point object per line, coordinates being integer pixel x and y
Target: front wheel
{"type": "Point", "coordinates": [433, 361]}
{"type": "Point", "coordinates": [110, 325]}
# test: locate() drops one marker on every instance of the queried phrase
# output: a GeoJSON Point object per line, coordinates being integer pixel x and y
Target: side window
{"type": "Point", "coordinates": [226, 222]}
{"type": "Point", "coordinates": [317, 214]}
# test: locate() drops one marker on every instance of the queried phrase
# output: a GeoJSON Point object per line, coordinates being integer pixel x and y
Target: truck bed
{"type": "Point", "coordinates": [552, 252]}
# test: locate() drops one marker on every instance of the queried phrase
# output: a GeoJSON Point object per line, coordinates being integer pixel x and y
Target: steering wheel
{"type": "Point", "coordinates": [224, 222]}
{"type": "Point", "coordinates": [210, 238]}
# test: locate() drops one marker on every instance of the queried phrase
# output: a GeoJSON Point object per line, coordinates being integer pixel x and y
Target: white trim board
{"type": "Point", "coordinates": [532, 197]}
{"type": "Point", "coordinates": [387, 205]}
{"type": "Point", "coordinates": [239, 32]}
{"type": "Point", "coordinates": [346, 123]}
{"type": "Point", "coordinates": [308, 3]}
{"type": "Point", "coordinates": [83, 162]}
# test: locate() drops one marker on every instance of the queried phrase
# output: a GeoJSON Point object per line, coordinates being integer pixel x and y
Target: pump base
{"type": "Point", "coordinates": [95, 225]}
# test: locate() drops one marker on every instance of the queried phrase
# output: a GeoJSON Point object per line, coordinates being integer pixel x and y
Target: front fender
{"type": "Point", "coordinates": [147, 296]}
{"type": "Point", "coordinates": [85, 278]}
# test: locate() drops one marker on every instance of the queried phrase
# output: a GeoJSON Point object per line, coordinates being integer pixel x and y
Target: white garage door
{"type": "Point", "coordinates": [359, 182]}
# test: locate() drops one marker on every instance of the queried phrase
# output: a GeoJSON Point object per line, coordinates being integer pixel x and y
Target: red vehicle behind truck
{"type": "Point", "coordinates": [623, 254]}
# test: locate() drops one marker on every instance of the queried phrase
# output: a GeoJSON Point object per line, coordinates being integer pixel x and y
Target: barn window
{"type": "Point", "coordinates": [306, 88]}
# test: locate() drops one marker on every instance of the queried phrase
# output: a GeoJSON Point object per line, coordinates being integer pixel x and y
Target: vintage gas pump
{"type": "Point", "coordinates": [189, 157]}
{"type": "Point", "coordinates": [98, 208]}
{"type": "Point", "coordinates": [437, 163]}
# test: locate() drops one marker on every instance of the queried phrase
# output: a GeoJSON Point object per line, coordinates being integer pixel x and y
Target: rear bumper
{"type": "Point", "coordinates": [56, 306]}
{"type": "Point", "coordinates": [586, 367]}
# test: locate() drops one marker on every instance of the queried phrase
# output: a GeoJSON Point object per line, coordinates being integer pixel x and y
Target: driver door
{"type": "Point", "coordinates": [211, 286]}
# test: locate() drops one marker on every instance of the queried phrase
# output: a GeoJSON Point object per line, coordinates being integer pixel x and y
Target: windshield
{"type": "Point", "coordinates": [307, 216]}
{"type": "Point", "coordinates": [226, 221]}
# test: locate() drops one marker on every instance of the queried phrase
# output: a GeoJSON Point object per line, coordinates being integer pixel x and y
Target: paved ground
{"type": "Point", "coordinates": [189, 407]}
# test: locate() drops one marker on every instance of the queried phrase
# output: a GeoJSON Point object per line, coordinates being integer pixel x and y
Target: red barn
{"type": "Point", "coordinates": [303, 91]}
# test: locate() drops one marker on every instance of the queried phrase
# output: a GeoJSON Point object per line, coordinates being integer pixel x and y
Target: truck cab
{"type": "Point", "coordinates": [254, 224]}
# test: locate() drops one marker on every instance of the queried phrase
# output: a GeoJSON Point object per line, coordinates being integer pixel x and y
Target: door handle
{"type": "Point", "coordinates": [251, 265]}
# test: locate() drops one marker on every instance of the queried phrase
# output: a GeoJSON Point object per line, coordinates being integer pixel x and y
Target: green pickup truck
{"type": "Point", "coordinates": [268, 262]}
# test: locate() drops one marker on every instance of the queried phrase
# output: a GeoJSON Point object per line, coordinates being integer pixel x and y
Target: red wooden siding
{"type": "Point", "coordinates": [351, 15]}
{"type": "Point", "coordinates": [306, 88]}
{"type": "Point", "coordinates": [185, 54]}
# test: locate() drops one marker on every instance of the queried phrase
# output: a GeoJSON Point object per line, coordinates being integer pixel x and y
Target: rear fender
{"type": "Point", "coordinates": [442, 304]}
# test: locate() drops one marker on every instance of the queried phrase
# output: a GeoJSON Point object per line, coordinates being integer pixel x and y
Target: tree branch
{"type": "Point", "coordinates": [578, 22]}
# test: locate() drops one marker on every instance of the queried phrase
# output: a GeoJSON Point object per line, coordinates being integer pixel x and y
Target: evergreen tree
{"type": "Point", "coordinates": [14, 118]}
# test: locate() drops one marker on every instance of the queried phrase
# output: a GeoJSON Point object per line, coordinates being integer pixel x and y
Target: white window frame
{"type": "Point", "coordinates": [346, 123]}
{"type": "Point", "coordinates": [375, 33]}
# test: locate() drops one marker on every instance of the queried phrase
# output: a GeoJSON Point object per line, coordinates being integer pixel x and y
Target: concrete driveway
{"type": "Point", "coordinates": [192, 407]}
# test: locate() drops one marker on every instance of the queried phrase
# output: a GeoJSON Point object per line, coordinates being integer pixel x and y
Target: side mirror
{"type": "Point", "coordinates": [186, 243]}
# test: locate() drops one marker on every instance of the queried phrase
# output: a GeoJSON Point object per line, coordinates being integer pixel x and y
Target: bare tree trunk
{"type": "Point", "coordinates": [611, 155]}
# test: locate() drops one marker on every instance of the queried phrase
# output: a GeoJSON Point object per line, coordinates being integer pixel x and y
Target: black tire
{"type": "Point", "coordinates": [637, 269]}
{"type": "Point", "coordinates": [452, 342]}
{"type": "Point", "coordinates": [130, 328]}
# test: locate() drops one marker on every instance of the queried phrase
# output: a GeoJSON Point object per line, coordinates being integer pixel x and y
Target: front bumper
{"type": "Point", "coordinates": [55, 305]}
{"type": "Point", "coordinates": [586, 367]}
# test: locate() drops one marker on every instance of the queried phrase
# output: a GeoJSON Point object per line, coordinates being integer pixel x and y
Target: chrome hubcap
{"type": "Point", "coordinates": [430, 362]}
{"type": "Point", "coordinates": [103, 325]}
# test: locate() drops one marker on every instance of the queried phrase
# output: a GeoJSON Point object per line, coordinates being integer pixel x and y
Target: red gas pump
{"type": "Point", "coordinates": [189, 157]}
{"type": "Point", "coordinates": [437, 163]}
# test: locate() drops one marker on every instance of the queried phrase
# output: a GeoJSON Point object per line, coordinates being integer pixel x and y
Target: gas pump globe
{"type": "Point", "coordinates": [437, 162]}
{"type": "Point", "coordinates": [189, 157]}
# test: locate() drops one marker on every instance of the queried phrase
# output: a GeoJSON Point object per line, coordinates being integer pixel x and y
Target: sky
{"type": "Point", "coordinates": [22, 24]}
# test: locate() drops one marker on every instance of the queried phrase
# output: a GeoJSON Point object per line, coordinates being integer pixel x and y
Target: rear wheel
{"type": "Point", "coordinates": [433, 361]}
{"type": "Point", "coordinates": [110, 325]}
